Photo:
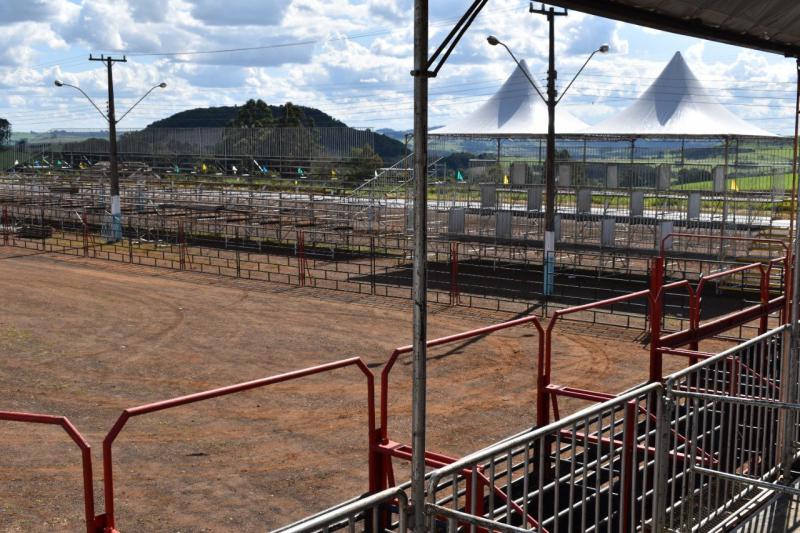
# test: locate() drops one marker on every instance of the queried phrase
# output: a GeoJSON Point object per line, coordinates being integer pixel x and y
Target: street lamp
{"type": "Point", "coordinates": [116, 209]}
{"type": "Point", "coordinates": [550, 166]}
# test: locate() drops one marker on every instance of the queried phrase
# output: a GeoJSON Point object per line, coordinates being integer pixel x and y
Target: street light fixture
{"type": "Point", "coordinates": [116, 209]}
{"type": "Point", "coordinates": [550, 170]}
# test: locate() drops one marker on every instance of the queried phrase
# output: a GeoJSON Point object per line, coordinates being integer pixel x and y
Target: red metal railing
{"type": "Point", "coordinates": [127, 414]}
{"type": "Point", "coordinates": [439, 342]}
{"type": "Point", "coordinates": [383, 448]}
{"type": "Point", "coordinates": [692, 335]}
{"type": "Point", "coordinates": [92, 526]}
{"type": "Point", "coordinates": [543, 388]}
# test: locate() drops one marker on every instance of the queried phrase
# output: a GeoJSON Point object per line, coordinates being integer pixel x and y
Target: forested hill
{"type": "Point", "coordinates": [219, 117]}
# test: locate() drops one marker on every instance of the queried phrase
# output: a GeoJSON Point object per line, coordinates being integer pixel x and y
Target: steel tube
{"type": "Point", "coordinates": [387, 368]}
{"type": "Point", "coordinates": [127, 414]}
{"type": "Point", "coordinates": [83, 445]}
{"type": "Point", "coordinates": [748, 481]}
{"type": "Point", "coordinates": [420, 268]}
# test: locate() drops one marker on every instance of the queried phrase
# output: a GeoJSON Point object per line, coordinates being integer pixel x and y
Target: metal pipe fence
{"type": "Point", "coordinates": [683, 456]}
{"type": "Point", "coordinates": [497, 278]}
{"type": "Point", "coordinates": [127, 414]}
{"type": "Point", "coordinates": [730, 409]}
{"type": "Point", "coordinates": [590, 471]}
{"type": "Point", "coordinates": [80, 441]}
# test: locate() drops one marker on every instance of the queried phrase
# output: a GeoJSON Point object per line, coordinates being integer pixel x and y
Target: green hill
{"type": "Point", "coordinates": [387, 148]}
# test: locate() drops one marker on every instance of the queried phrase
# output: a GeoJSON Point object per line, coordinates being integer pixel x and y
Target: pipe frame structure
{"type": "Point", "coordinates": [666, 344]}
{"type": "Point", "coordinates": [93, 524]}
{"type": "Point", "coordinates": [109, 519]}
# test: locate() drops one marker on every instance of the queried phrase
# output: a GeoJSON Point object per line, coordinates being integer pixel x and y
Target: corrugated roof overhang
{"type": "Point", "coordinates": [768, 25]}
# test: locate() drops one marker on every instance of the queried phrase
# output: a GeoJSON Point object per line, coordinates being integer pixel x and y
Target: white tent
{"type": "Point", "coordinates": [515, 110]}
{"type": "Point", "coordinates": [677, 104]}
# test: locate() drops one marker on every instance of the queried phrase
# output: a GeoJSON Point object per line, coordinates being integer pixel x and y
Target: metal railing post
{"type": "Point", "coordinates": [665, 408]}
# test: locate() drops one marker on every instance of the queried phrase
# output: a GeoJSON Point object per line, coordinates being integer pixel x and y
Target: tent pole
{"type": "Point", "coordinates": [724, 202]}
{"type": "Point", "coordinates": [683, 152]}
{"type": "Point", "coordinates": [499, 171]}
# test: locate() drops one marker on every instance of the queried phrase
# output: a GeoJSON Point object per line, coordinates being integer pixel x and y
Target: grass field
{"type": "Point", "coordinates": [749, 183]}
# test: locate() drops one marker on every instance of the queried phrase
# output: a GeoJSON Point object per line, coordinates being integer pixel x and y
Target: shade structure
{"type": "Point", "coordinates": [768, 25]}
{"type": "Point", "coordinates": [677, 104]}
{"type": "Point", "coordinates": [515, 110]}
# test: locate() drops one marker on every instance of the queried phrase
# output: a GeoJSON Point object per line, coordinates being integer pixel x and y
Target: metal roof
{"type": "Point", "coordinates": [677, 104]}
{"type": "Point", "coordinates": [515, 110]}
{"type": "Point", "coordinates": [768, 25]}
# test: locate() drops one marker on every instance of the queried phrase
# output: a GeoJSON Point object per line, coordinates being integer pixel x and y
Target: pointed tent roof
{"type": "Point", "coordinates": [677, 104]}
{"type": "Point", "coordinates": [515, 110]}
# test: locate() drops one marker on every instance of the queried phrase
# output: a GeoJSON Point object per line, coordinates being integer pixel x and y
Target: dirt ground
{"type": "Point", "coordinates": [88, 339]}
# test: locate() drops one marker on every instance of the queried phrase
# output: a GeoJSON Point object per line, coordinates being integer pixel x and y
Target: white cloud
{"type": "Point", "coordinates": [239, 12]}
{"type": "Point", "coordinates": [354, 64]}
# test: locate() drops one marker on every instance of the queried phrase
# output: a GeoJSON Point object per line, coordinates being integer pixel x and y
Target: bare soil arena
{"type": "Point", "coordinates": [86, 339]}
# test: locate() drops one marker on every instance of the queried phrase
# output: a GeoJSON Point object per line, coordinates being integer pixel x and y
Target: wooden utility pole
{"type": "Point", "coordinates": [116, 209]}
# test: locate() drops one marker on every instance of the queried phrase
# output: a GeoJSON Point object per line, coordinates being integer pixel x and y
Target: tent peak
{"type": "Point", "coordinates": [676, 103]}
{"type": "Point", "coordinates": [516, 109]}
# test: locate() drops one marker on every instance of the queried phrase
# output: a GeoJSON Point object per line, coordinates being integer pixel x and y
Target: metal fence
{"type": "Point", "coordinates": [591, 471]}
{"type": "Point", "coordinates": [688, 455]}
{"type": "Point", "coordinates": [731, 411]}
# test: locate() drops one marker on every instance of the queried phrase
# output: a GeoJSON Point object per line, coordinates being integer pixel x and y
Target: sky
{"type": "Point", "coordinates": [349, 58]}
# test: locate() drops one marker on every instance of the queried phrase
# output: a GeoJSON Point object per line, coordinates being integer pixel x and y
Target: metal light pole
{"type": "Point", "coordinates": [420, 269]}
{"type": "Point", "coordinates": [116, 209]}
{"type": "Point", "coordinates": [424, 68]}
{"type": "Point", "coordinates": [552, 101]}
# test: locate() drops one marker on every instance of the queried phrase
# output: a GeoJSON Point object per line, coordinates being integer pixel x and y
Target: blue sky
{"type": "Point", "coordinates": [350, 58]}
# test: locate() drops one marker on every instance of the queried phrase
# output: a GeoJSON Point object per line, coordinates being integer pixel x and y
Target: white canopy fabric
{"type": "Point", "coordinates": [515, 110]}
{"type": "Point", "coordinates": [677, 104]}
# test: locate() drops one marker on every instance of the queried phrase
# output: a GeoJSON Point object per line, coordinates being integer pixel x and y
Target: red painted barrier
{"type": "Point", "coordinates": [127, 414]}
{"type": "Point", "coordinates": [692, 335]}
{"type": "Point", "coordinates": [92, 525]}
{"type": "Point", "coordinates": [384, 449]}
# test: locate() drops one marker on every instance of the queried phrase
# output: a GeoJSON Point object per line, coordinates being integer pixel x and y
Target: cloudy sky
{"type": "Point", "coordinates": [350, 58]}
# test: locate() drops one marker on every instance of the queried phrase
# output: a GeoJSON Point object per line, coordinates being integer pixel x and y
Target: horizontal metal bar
{"type": "Point", "coordinates": [736, 400]}
{"type": "Point", "coordinates": [432, 509]}
{"type": "Point", "coordinates": [794, 491]}
{"type": "Point", "coordinates": [733, 351]}
{"type": "Point", "coordinates": [352, 509]}
{"type": "Point", "coordinates": [538, 433]}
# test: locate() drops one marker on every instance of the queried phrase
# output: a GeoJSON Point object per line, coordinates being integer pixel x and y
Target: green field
{"type": "Point", "coordinates": [749, 183]}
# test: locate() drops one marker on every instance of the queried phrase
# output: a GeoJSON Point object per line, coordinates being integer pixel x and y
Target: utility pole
{"type": "Point", "coordinates": [116, 209]}
{"type": "Point", "coordinates": [115, 228]}
{"type": "Point", "coordinates": [550, 162]}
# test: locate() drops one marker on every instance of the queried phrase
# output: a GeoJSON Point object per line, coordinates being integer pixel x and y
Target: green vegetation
{"type": "Point", "coordinates": [5, 131]}
{"type": "Point", "coordinates": [258, 114]}
{"type": "Point", "coordinates": [749, 183]}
